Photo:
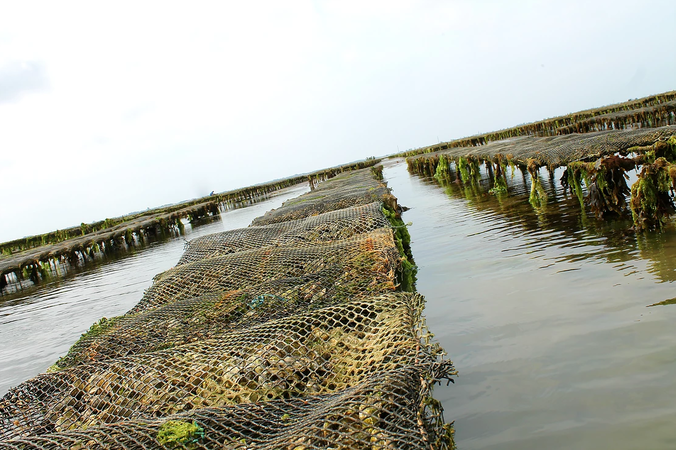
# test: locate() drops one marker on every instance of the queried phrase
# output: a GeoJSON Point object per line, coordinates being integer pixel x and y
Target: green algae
{"type": "Point", "coordinates": [572, 180]}
{"type": "Point", "coordinates": [538, 196]}
{"type": "Point", "coordinates": [499, 178]}
{"type": "Point", "coordinates": [671, 301]}
{"type": "Point", "coordinates": [651, 204]}
{"type": "Point", "coordinates": [402, 239]}
{"type": "Point", "coordinates": [177, 433]}
{"type": "Point", "coordinates": [499, 187]}
{"type": "Point", "coordinates": [474, 170]}
{"type": "Point", "coordinates": [377, 171]}
{"type": "Point", "coordinates": [443, 171]}
{"type": "Point", "coordinates": [104, 325]}
{"type": "Point", "coordinates": [463, 168]}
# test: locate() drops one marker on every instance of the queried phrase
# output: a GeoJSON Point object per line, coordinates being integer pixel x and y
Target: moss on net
{"type": "Point", "coordinates": [402, 239]}
{"type": "Point", "coordinates": [179, 434]}
{"type": "Point", "coordinates": [102, 326]}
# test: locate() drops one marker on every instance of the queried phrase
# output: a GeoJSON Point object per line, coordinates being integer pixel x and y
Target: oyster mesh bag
{"type": "Point", "coordinates": [342, 261]}
{"type": "Point", "coordinates": [332, 351]}
{"type": "Point", "coordinates": [296, 280]}
{"type": "Point", "coordinates": [555, 151]}
{"type": "Point", "coordinates": [325, 227]}
{"type": "Point", "coordinates": [343, 191]}
{"type": "Point", "coordinates": [287, 334]}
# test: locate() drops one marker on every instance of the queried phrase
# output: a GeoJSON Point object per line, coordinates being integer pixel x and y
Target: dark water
{"type": "Point", "coordinates": [545, 316]}
{"type": "Point", "coordinates": [39, 325]}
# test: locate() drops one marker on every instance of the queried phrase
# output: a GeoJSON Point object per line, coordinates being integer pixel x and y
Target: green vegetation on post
{"type": "Point", "coordinates": [538, 196]}
{"type": "Point", "coordinates": [463, 168]}
{"type": "Point", "coordinates": [442, 171]}
{"type": "Point", "coordinates": [499, 177]}
{"type": "Point", "coordinates": [402, 239]}
{"type": "Point", "coordinates": [651, 204]}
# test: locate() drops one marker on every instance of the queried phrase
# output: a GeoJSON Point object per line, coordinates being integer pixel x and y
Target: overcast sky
{"type": "Point", "coordinates": [113, 107]}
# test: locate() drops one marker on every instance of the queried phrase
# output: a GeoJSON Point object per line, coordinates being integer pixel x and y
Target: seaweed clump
{"type": "Point", "coordinates": [104, 325]}
{"type": "Point", "coordinates": [608, 188]}
{"type": "Point", "coordinates": [402, 239]}
{"type": "Point", "coordinates": [463, 168]}
{"type": "Point", "coordinates": [572, 180]}
{"type": "Point", "coordinates": [176, 433]}
{"type": "Point", "coordinates": [377, 171]}
{"type": "Point", "coordinates": [651, 202]}
{"type": "Point", "coordinates": [470, 169]}
{"type": "Point", "coordinates": [500, 177]}
{"type": "Point", "coordinates": [606, 181]}
{"type": "Point", "coordinates": [538, 196]}
{"type": "Point", "coordinates": [442, 172]}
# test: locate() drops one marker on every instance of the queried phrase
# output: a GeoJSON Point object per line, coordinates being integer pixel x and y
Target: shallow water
{"type": "Point", "coordinates": [39, 325]}
{"type": "Point", "coordinates": [544, 314]}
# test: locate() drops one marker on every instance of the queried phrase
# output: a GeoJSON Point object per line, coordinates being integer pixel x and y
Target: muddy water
{"type": "Point", "coordinates": [39, 325]}
{"type": "Point", "coordinates": [545, 315]}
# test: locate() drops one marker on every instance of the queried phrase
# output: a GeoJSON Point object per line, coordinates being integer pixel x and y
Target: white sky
{"type": "Point", "coordinates": [113, 107]}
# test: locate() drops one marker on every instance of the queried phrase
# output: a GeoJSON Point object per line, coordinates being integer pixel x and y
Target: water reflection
{"type": "Point", "coordinates": [62, 270]}
{"type": "Point", "coordinates": [561, 223]}
{"type": "Point", "coordinates": [544, 314]}
{"type": "Point", "coordinates": [40, 323]}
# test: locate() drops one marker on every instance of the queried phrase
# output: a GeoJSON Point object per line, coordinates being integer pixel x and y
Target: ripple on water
{"type": "Point", "coordinates": [544, 314]}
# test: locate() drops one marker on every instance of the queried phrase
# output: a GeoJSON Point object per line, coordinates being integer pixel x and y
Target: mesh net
{"type": "Point", "coordinates": [648, 112]}
{"type": "Point", "coordinates": [386, 411]}
{"type": "Point", "coordinates": [352, 265]}
{"type": "Point", "coordinates": [286, 335]}
{"type": "Point", "coordinates": [343, 191]}
{"type": "Point", "coordinates": [650, 116]}
{"type": "Point", "coordinates": [318, 352]}
{"type": "Point", "coordinates": [368, 267]}
{"type": "Point", "coordinates": [554, 151]}
{"type": "Point", "coordinates": [329, 226]}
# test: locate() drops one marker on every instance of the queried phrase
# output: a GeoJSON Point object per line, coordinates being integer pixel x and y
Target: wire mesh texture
{"type": "Point", "coordinates": [555, 151]}
{"type": "Point", "coordinates": [387, 411]}
{"type": "Point", "coordinates": [343, 260]}
{"type": "Point", "coordinates": [328, 274]}
{"type": "Point", "coordinates": [343, 191]}
{"type": "Point", "coordinates": [319, 352]}
{"type": "Point", "coordinates": [329, 226]}
{"type": "Point", "coordinates": [285, 335]}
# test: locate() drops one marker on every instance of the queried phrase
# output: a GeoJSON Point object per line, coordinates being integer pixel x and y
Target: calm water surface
{"type": "Point", "coordinates": [39, 325]}
{"type": "Point", "coordinates": [544, 314]}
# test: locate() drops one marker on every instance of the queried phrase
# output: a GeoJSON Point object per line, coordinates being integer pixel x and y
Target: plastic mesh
{"type": "Point", "coordinates": [387, 410]}
{"type": "Point", "coordinates": [353, 265]}
{"type": "Point", "coordinates": [557, 151]}
{"type": "Point", "coordinates": [278, 336]}
{"type": "Point", "coordinates": [368, 272]}
{"type": "Point", "coordinates": [329, 226]}
{"type": "Point", "coordinates": [314, 353]}
{"type": "Point", "coordinates": [661, 114]}
{"type": "Point", "coordinates": [343, 191]}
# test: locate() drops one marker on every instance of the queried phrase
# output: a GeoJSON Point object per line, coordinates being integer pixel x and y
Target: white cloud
{"type": "Point", "coordinates": [153, 102]}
